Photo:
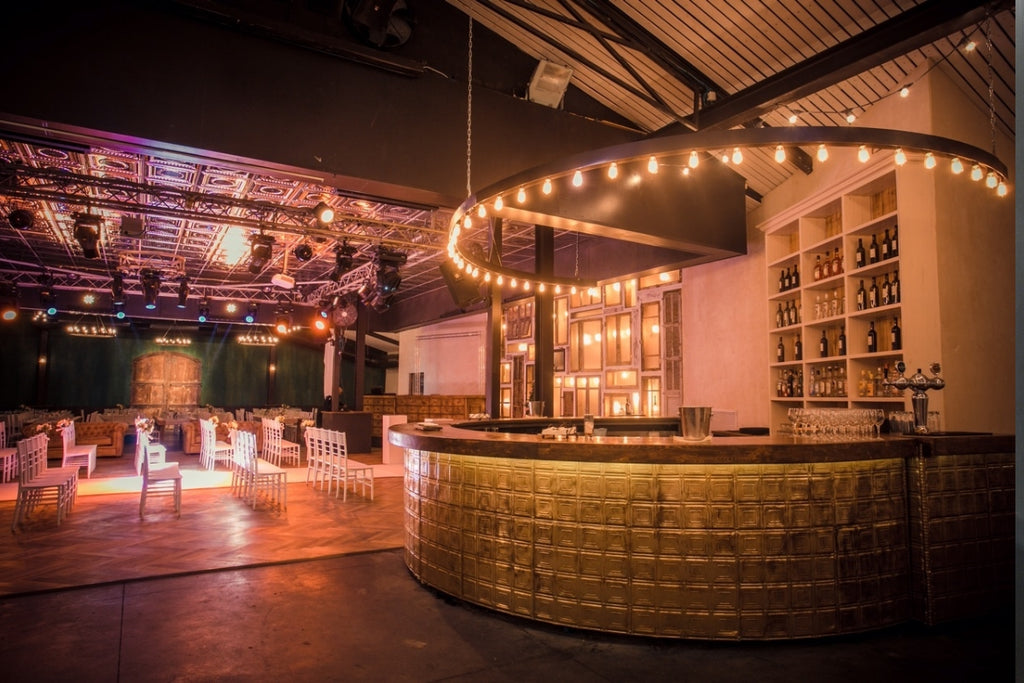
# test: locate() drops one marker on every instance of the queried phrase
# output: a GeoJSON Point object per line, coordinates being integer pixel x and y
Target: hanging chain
{"type": "Point", "coordinates": [469, 115]}
{"type": "Point", "coordinates": [576, 270]}
{"type": "Point", "coordinates": [991, 82]}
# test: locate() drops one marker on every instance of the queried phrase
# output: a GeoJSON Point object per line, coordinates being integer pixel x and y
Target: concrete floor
{"type": "Point", "coordinates": [364, 617]}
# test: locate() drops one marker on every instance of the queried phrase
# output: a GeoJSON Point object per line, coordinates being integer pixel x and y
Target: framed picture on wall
{"type": "Point", "coordinates": [558, 365]}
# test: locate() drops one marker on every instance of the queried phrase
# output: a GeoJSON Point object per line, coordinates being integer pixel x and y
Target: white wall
{"type": "Point", "coordinates": [452, 355]}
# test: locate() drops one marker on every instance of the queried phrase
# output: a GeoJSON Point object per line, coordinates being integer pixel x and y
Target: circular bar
{"type": "Point", "coordinates": [640, 532]}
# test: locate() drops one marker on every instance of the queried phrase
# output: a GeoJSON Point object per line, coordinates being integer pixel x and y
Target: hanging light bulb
{"type": "Point", "coordinates": [572, 290]}
{"type": "Point", "coordinates": [976, 173]}
{"type": "Point", "coordinates": [467, 221]}
{"type": "Point", "coordinates": [541, 287]}
{"type": "Point", "coordinates": [725, 157]}
{"type": "Point", "coordinates": [546, 187]}
{"type": "Point", "coordinates": [521, 195]}
{"type": "Point", "coordinates": [737, 156]}
{"type": "Point", "coordinates": [577, 178]}
{"type": "Point", "coordinates": [822, 153]}
{"type": "Point", "coordinates": [487, 276]}
{"type": "Point", "coordinates": [499, 203]}
{"type": "Point", "coordinates": [613, 171]}
{"type": "Point", "coordinates": [850, 117]}
{"type": "Point", "coordinates": [500, 280]}
{"type": "Point", "coordinates": [793, 118]}
{"type": "Point", "coordinates": [526, 285]}
{"type": "Point", "coordinates": [991, 180]}
{"type": "Point", "coordinates": [652, 165]}
{"type": "Point", "coordinates": [481, 211]}
{"type": "Point", "coordinates": [558, 289]}
{"type": "Point", "coordinates": [686, 171]}
{"type": "Point", "coordinates": [694, 159]}
{"type": "Point", "coordinates": [863, 154]}
{"type": "Point", "coordinates": [905, 91]}
{"type": "Point", "coordinates": [900, 157]}
{"type": "Point", "coordinates": [1001, 189]}
{"type": "Point", "coordinates": [513, 283]}
{"type": "Point", "coordinates": [929, 161]}
{"type": "Point", "coordinates": [956, 166]}
{"type": "Point", "coordinates": [780, 153]}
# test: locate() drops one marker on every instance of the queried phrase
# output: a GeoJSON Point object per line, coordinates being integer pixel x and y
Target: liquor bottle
{"type": "Point", "coordinates": [787, 280]}
{"type": "Point", "coordinates": [798, 348]}
{"type": "Point", "coordinates": [862, 297]}
{"type": "Point", "coordinates": [826, 267]}
{"type": "Point", "coordinates": [817, 307]}
{"type": "Point", "coordinates": [886, 291]}
{"type": "Point", "coordinates": [841, 346]}
{"type": "Point", "coordinates": [873, 293]}
{"type": "Point", "coordinates": [817, 268]}
{"type": "Point", "coordinates": [779, 384]}
{"type": "Point", "coordinates": [862, 384]}
{"type": "Point", "coordinates": [886, 245]}
{"type": "Point", "coordinates": [780, 352]}
{"type": "Point", "coordinates": [795, 282]}
{"type": "Point", "coordinates": [861, 256]}
{"type": "Point", "coordinates": [894, 288]}
{"type": "Point", "coordinates": [837, 263]}
{"type": "Point", "coordinates": [872, 339]}
{"type": "Point", "coordinates": [894, 247]}
{"type": "Point", "coordinates": [823, 345]}
{"type": "Point", "coordinates": [782, 281]}
{"type": "Point", "coordinates": [780, 316]}
{"type": "Point", "coordinates": [873, 250]}
{"type": "Point", "coordinates": [896, 335]}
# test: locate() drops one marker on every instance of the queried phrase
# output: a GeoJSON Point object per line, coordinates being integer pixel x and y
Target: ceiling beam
{"type": "Point", "coordinates": [908, 31]}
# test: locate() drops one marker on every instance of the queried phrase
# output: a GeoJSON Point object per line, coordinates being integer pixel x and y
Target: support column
{"type": "Point", "coordinates": [544, 329]}
{"type": "Point", "coordinates": [494, 351]}
{"type": "Point", "coordinates": [362, 327]}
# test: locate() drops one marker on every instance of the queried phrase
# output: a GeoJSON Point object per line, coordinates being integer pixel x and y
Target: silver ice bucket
{"type": "Point", "coordinates": [695, 422]}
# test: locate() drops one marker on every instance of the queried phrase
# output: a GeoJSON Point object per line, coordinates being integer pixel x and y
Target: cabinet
{"type": "Point", "coordinates": [823, 302]}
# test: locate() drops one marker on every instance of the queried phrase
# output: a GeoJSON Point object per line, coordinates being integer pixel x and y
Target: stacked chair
{"type": "Point", "coordinates": [159, 477]}
{"type": "Point", "coordinates": [253, 477]}
{"type": "Point", "coordinates": [38, 483]}
{"type": "Point", "coordinates": [78, 455]}
{"type": "Point", "coordinates": [275, 448]}
{"type": "Point", "coordinates": [8, 457]}
{"type": "Point", "coordinates": [327, 462]}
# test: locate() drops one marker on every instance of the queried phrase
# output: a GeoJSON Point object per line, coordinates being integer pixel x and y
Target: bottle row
{"type": "Point", "coordinates": [831, 262]}
{"type": "Point", "coordinates": [833, 342]}
{"type": "Point", "coordinates": [886, 294]}
{"type": "Point", "coordinates": [830, 381]}
{"type": "Point", "coordinates": [877, 251]}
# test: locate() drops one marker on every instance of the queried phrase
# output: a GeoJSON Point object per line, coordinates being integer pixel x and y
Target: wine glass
{"type": "Point", "coordinates": [878, 417]}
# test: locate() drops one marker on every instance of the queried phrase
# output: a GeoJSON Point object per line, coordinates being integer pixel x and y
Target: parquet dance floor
{"type": "Point", "coordinates": [105, 541]}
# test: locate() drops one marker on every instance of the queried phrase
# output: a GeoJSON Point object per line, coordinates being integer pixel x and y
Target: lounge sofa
{"type": "Point", "coordinates": [191, 439]}
{"type": "Point", "coordinates": [108, 437]}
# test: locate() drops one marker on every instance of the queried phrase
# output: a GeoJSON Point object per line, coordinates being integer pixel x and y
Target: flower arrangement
{"type": "Point", "coordinates": [63, 424]}
{"type": "Point", "coordinates": [233, 425]}
{"type": "Point", "coordinates": [145, 424]}
{"type": "Point", "coordinates": [43, 427]}
{"type": "Point", "coordinates": [307, 423]}
{"type": "Point", "coordinates": [215, 420]}
{"type": "Point", "coordinates": [280, 418]}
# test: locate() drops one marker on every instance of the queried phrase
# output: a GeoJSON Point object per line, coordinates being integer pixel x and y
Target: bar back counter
{"type": "Point", "coordinates": [733, 538]}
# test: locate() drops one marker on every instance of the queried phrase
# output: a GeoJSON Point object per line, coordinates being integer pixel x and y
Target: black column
{"type": "Point", "coordinates": [544, 329]}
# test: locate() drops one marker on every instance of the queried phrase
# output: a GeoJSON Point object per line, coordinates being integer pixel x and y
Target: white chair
{"type": "Point", "coordinates": [146, 444]}
{"type": "Point", "coordinates": [8, 457]}
{"type": "Point", "coordinates": [81, 455]}
{"type": "Point", "coordinates": [212, 451]}
{"type": "Point", "coordinates": [159, 477]}
{"type": "Point", "coordinates": [340, 470]}
{"type": "Point", "coordinates": [38, 483]}
{"type": "Point", "coordinates": [259, 477]}
{"type": "Point", "coordinates": [276, 449]}
{"type": "Point", "coordinates": [315, 454]}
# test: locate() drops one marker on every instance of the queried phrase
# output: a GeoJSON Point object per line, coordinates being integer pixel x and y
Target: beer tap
{"type": "Point", "coordinates": [919, 384]}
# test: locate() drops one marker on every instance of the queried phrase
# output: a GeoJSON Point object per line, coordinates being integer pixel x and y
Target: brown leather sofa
{"type": "Point", "coordinates": [108, 437]}
{"type": "Point", "coordinates": [191, 440]}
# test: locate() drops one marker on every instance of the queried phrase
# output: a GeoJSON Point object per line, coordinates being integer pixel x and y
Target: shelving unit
{"type": "Point", "coordinates": [827, 307]}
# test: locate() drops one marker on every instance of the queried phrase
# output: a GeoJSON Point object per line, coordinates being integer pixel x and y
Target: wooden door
{"type": "Point", "coordinates": [165, 380]}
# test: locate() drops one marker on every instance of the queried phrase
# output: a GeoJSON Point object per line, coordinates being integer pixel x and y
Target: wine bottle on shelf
{"type": "Point", "coordinates": [862, 297]}
{"type": "Point", "coordinates": [873, 293]}
{"type": "Point", "coordinates": [780, 352]}
{"type": "Point", "coordinates": [780, 316]}
{"type": "Point", "coordinates": [886, 291]}
{"type": "Point", "coordinates": [894, 288]}
{"type": "Point", "coordinates": [894, 247]}
{"type": "Point", "coordinates": [841, 346]}
{"type": "Point", "coordinates": [788, 280]}
{"type": "Point", "coordinates": [826, 267]}
{"type": "Point", "coordinates": [823, 345]}
{"type": "Point", "coordinates": [886, 245]}
{"type": "Point", "coordinates": [782, 280]}
{"type": "Point", "coordinates": [798, 347]}
{"type": "Point", "coordinates": [837, 263]}
{"type": "Point", "coordinates": [861, 256]}
{"type": "Point", "coordinates": [896, 335]}
{"type": "Point", "coordinates": [873, 250]}
{"type": "Point", "coordinates": [795, 280]}
{"type": "Point", "coordinates": [872, 338]}
{"type": "Point", "coordinates": [817, 268]}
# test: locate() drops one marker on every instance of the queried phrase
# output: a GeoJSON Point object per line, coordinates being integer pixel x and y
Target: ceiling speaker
{"type": "Point", "coordinates": [344, 315]}
{"type": "Point", "coordinates": [465, 290]}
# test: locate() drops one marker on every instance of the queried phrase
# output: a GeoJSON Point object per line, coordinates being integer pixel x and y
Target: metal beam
{"type": "Point", "coordinates": [908, 31]}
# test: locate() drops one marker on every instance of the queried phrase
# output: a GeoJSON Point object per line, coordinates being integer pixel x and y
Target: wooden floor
{"type": "Point", "coordinates": [104, 540]}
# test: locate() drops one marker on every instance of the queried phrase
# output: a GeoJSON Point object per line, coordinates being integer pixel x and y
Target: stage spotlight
{"type": "Point", "coordinates": [150, 287]}
{"type": "Point", "coordinates": [8, 301]}
{"type": "Point", "coordinates": [204, 309]}
{"type": "Point", "coordinates": [303, 252]}
{"type": "Point", "coordinates": [87, 234]}
{"type": "Point", "coordinates": [117, 288]}
{"type": "Point", "coordinates": [21, 219]}
{"type": "Point", "coordinates": [343, 261]}
{"type": "Point", "coordinates": [323, 213]}
{"type": "Point", "coordinates": [252, 313]}
{"type": "Point", "coordinates": [48, 297]}
{"type": "Point", "coordinates": [183, 292]}
{"type": "Point", "coordinates": [283, 318]}
{"type": "Point", "coordinates": [262, 250]}
{"type": "Point", "coordinates": [119, 310]}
